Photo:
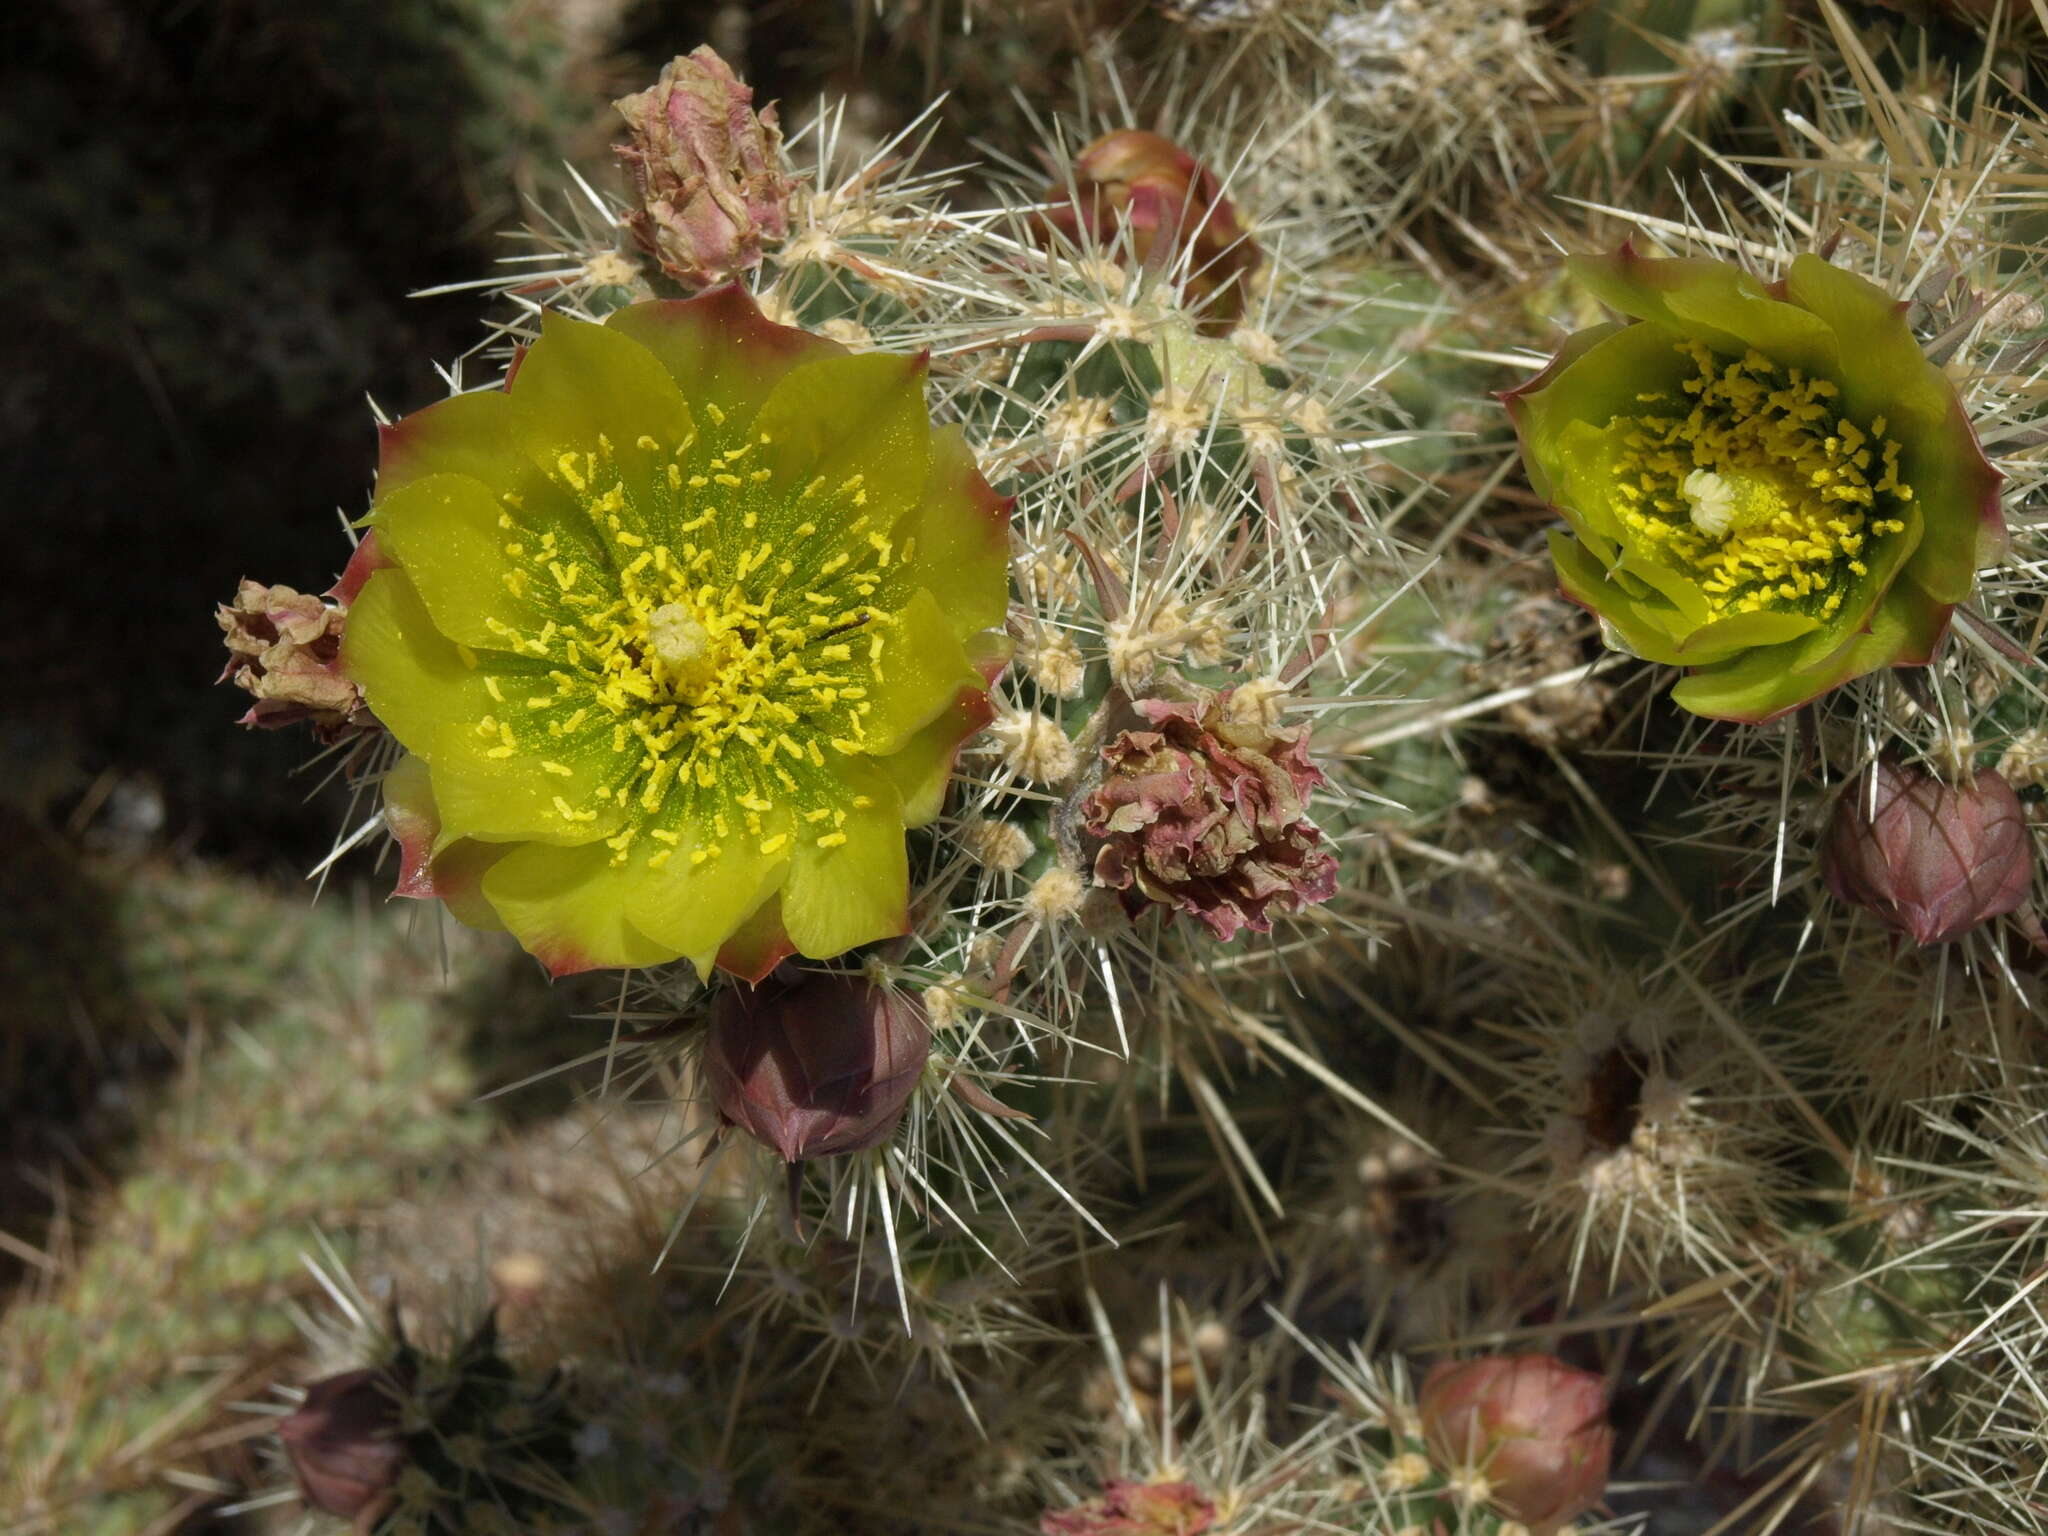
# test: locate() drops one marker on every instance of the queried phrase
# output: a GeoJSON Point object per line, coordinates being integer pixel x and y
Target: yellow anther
{"type": "Point", "coordinates": [1758, 489]}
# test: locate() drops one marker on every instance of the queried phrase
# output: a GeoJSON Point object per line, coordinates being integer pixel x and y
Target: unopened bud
{"type": "Point", "coordinates": [818, 1066]}
{"type": "Point", "coordinates": [343, 1442]}
{"type": "Point", "coordinates": [1929, 859]}
{"type": "Point", "coordinates": [707, 169]}
{"type": "Point", "coordinates": [1531, 1426]}
{"type": "Point", "coordinates": [1172, 211]}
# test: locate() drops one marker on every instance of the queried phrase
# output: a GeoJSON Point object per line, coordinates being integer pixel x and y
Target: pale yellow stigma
{"type": "Point", "coordinates": [1711, 501]}
{"type": "Point", "coordinates": [683, 646]}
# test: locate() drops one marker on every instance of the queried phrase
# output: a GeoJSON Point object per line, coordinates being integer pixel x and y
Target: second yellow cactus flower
{"type": "Point", "coordinates": [1768, 484]}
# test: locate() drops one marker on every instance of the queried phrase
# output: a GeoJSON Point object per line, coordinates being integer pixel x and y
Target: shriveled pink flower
{"type": "Point", "coordinates": [1207, 813]}
{"type": "Point", "coordinates": [1928, 859]}
{"type": "Point", "coordinates": [1531, 1426]}
{"type": "Point", "coordinates": [817, 1066]}
{"type": "Point", "coordinates": [1135, 1509]}
{"type": "Point", "coordinates": [343, 1443]}
{"type": "Point", "coordinates": [708, 169]}
{"type": "Point", "coordinates": [282, 648]}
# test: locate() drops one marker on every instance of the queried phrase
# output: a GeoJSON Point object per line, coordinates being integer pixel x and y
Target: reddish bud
{"type": "Point", "coordinates": [1135, 1509]}
{"type": "Point", "coordinates": [818, 1066]}
{"type": "Point", "coordinates": [343, 1441]}
{"type": "Point", "coordinates": [284, 647]}
{"type": "Point", "coordinates": [1929, 859]}
{"type": "Point", "coordinates": [1172, 210]}
{"type": "Point", "coordinates": [708, 170]}
{"type": "Point", "coordinates": [1531, 1426]}
{"type": "Point", "coordinates": [1206, 813]}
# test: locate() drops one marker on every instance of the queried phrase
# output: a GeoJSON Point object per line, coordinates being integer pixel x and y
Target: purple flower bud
{"type": "Point", "coordinates": [1135, 1509]}
{"type": "Point", "coordinates": [818, 1066]}
{"type": "Point", "coordinates": [1928, 859]}
{"type": "Point", "coordinates": [1531, 1426]}
{"type": "Point", "coordinates": [708, 170]}
{"type": "Point", "coordinates": [343, 1442]}
{"type": "Point", "coordinates": [1206, 813]}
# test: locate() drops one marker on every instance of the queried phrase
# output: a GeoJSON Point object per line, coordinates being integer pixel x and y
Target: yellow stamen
{"type": "Point", "coordinates": [1754, 485]}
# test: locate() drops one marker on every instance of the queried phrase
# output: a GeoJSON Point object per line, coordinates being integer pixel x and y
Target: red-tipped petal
{"type": "Point", "coordinates": [758, 945]}
{"type": "Point", "coordinates": [368, 558]}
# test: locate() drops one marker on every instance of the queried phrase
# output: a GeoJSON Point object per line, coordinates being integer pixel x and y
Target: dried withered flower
{"type": "Point", "coordinates": [817, 1066]}
{"type": "Point", "coordinates": [343, 1441]}
{"type": "Point", "coordinates": [1532, 1428]}
{"type": "Point", "coordinates": [1929, 859]}
{"type": "Point", "coordinates": [1207, 813]}
{"type": "Point", "coordinates": [282, 649]}
{"type": "Point", "coordinates": [1128, 1508]}
{"type": "Point", "coordinates": [707, 169]}
{"type": "Point", "coordinates": [1172, 210]}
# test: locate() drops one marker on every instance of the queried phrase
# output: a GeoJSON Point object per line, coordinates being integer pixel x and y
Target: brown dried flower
{"type": "Point", "coordinates": [818, 1066]}
{"type": "Point", "coordinates": [1929, 859]}
{"type": "Point", "coordinates": [708, 170]}
{"type": "Point", "coordinates": [1172, 210]}
{"type": "Point", "coordinates": [1206, 813]}
{"type": "Point", "coordinates": [282, 646]}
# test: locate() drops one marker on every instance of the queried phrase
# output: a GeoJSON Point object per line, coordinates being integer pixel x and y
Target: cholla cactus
{"type": "Point", "coordinates": [1272, 852]}
{"type": "Point", "coordinates": [1387, 112]}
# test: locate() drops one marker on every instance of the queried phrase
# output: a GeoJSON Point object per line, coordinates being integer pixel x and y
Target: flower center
{"type": "Point", "coordinates": [716, 639]}
{"type": "Point", "coordinates": [683, 646]}
{"type": "Point", "coordinates": [1758, 490]}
